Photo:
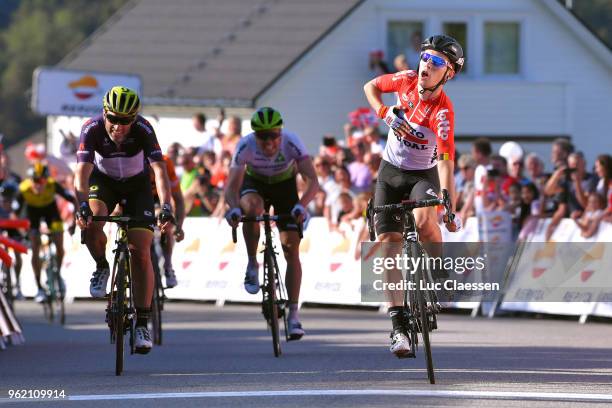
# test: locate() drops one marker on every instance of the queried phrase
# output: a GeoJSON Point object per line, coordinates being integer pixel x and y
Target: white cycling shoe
{"type": "Point", "coordinates": [142, 340]}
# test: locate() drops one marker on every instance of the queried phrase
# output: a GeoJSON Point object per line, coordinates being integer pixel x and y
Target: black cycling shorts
{"type": "Point", "coordinates": [394, 185]}
{"type": "Point", "coordinates": [134, 194]}
{"type": "Point", "coordinates": [49, 213]}
{"type": "Point", "coordinates": [282, 196]}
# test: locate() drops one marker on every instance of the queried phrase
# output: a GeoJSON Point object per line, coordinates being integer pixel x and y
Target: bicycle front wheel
{"type": "Point", "coordinates": [120, 311]}
{"type": "Point", "coordinates": [424, 325]}
{"type": "Point", "coordinates": [270, 305]}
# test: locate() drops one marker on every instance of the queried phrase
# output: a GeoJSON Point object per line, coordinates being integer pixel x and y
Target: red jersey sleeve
{"type": "Point", "coordinates": [393, 82]}
{"type": "Point", "coordinates": [443, 124]}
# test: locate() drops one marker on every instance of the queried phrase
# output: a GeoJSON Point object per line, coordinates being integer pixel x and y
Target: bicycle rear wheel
{"type": "Point", "coordinates": [271, 306]}
{"type": "Point", "coordinates": [119, 310]}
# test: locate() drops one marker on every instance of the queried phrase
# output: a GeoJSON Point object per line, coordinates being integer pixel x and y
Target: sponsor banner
{"type": "Point", "coordinates": [209, 266]}
{"type": "Point", "coordinates": [75, 93]}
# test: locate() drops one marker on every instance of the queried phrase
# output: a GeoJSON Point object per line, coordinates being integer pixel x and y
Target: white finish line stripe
{"type": "Point", "coordinates": [506, 395]}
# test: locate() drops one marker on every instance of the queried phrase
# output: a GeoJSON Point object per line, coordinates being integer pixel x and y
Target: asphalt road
{"type": "Point", "coordinates": [222, 357]}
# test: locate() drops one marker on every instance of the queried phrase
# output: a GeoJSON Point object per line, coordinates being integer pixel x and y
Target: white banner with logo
{"type": "Point", "coordinates": [75, 93]}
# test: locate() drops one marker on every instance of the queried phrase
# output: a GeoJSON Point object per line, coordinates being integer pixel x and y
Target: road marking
{"type": "Point", "coordinates": [577, 372]}
{"type": "Point", "coordinates": [505, 395]}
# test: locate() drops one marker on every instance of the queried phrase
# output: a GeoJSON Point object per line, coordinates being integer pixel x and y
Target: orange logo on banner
{"type": "Point", "coordinates": [84, 87]}
{"type": "Point", "coordinates": [305, 245]}
{"type": "Point", "coordinates": [537, 272]}
{"type": "Point", "coordinates": [194, 246]}
{"type": "Point", "coordinates": [595, 253]}
{"type": "Point", "coordinates": [586, 275]}
{"type": "Point", "coordinates": [496, 221]}
{"type": "Point", "coordinates": [229, 247]}
{"type": "Point", "coordinates": [343, 247]}
{"type": "Point", "coordinates": [547, 252]}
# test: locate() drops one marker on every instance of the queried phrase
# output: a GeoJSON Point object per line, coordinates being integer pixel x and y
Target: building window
{"type": "Point", "coordinates": [501, 48]}
{"type": "Point", "coordinates": [459, 32]}
{"type": "Point", "coordinates": [404, 37]}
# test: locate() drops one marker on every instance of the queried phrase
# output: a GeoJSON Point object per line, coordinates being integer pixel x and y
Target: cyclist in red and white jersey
{"type": "Point", "coordinates": [418, 158]}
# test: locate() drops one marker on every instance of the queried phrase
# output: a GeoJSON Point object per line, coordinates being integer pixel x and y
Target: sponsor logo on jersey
{"type": "Point", "coordinates": [431, 192]}
{"type": "Point", "coordinates": [443, 124]}
{"type": "Point", "coordinates": [280, 157]}
{"type": "Point", "coordinates": [411, 105]}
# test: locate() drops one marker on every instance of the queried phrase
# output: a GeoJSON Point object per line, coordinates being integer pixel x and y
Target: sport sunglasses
{"type": "Point", "coordinates": [119, 120]}
{"type": "Point", "coordinates": [438, 62]}
{"type": "Point", "coordinates": [263, 136]}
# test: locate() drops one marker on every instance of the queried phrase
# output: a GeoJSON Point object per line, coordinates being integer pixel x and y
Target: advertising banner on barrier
{"type": "Point", "coordinates": [209, 266]}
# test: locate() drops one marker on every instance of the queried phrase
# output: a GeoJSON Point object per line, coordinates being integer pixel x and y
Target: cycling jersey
{"type": "Point", "coordinates": [275, 169]}
{"type": "Point", "coordinates": [175, 185]}
{"type": "Point", "coordinates": [119, 162]}
{"type": "Point", "coordinates": [432, 125]}
{"type": "Point", "coordinates": [44, 198]}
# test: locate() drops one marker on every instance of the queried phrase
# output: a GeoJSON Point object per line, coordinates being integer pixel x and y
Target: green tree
{"type": "Point", "coordinates": [40, 32]}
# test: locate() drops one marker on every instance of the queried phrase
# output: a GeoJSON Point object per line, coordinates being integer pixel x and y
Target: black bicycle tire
{"type": "Point", "coordinates": [120, 312]}
{"type": "Point", "coordinates": [156, 307]}
{"type": "Point", "coordinates": [273, 310]}
{"type": "Point", "coordinates": [424, 324]}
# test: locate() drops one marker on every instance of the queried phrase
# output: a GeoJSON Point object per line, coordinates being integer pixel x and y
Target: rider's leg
{"type": "Point", "coordinates": [57, 237]}
{"type": "Point", "coordinates": [36, 262]}
{"type": "Point", "coordinates": [252, 205]}
{"type": "Point", "coordinates": [142, 268]}
{"type": "Point", "coordinates": [96, 238]}
{"type": "Point", "coordinates": [290, 242]}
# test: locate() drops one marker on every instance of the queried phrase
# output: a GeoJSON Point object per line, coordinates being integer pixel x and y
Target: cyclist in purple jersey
{"type": "Point", "coordinates": [113, 159]}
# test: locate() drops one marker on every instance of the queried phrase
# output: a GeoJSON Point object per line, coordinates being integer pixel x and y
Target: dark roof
{"type": "Point", "coordinates": [228, 51]}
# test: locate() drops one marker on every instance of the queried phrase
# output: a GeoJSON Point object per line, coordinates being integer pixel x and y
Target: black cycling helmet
{"type": "Point", "coordinates": [448, 46]}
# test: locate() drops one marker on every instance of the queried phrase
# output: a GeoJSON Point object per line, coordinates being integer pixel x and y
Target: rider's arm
{"type": "Point", "coordinates": [446, 170]}
{"type": "Point", "coordinates": [161, 181]}
{"type": "Point", "coordinates": [232, 189]}
{"type": "Point", "coordinates": [179, 207]}
{"type": "Point", "coordinates": [81, 181]}
{"type": "Point", "coordinates": [307, 171]}
{"type": "Point", "coordinates": [65, 194]}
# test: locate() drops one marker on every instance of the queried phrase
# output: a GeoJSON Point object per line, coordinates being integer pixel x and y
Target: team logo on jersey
{"type": "Point", "coordinates": [93, 188]}
{"type": "Point", "coordinates": [280, 158]}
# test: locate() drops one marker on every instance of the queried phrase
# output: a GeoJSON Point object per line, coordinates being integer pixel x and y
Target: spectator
{"type": "Point", "coordinates": [560, 151]}
{"type": "Point", "coordinates": [68, 146]}
{"type": "Point", "coordinates": [345, 207]}
{"type": "Point", "coordinates": [481, 152]}
{"type": "Point", "coordinates": [373, 162]}
{"type": "Point", "coordinates": [329, 148]}
{"type": "Point", "coordinates": [589, 221]}
{"type": "Point", "coordinates": [374, 141]}
{"type": "Point", "coordinates": [377, 63]}
{"type": "Point", "coordinates": [500, 166]}
{"type": "Point", "coordinates": [360, 203]}
{"type": "Point", "coordinates": [401, 63]}
{"type": "Point", "coordinates": [515, 169]}
{"type": "Point", "coordinates": [513, 206]}
{"type": "Point", "coordinates": [413, 53]}
{"type": "Point", "coordinates": [530, 209]}
{"type": "Point", "coordinates": [233, 135]}
{"type": "Point", "coordinates": [361, 177]}
{"type": "Point", "coordinates": [343, 185]}
{"type": "Point", "coordinates": [465, 191]}
{"type": "Point", "coordinates": [208, 141]}
{"type": "Point", "coordinates": [535, 170]}
{"type": "Point", "coordinates": [174, 151]}
{"type": "Point", "coordinates": [603, 170]}
{"type": "Point", "coordinates": [220, 171]}
{"type": "Point", "coordinates": [189, 171]}
{"type": "Point", "coordinates": [324, 174]}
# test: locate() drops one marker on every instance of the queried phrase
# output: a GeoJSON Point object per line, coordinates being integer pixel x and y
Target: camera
{"type": "Point", "coordinates": [493, 172]}
{"type": "Point", "coordinates": [329, 141]}
{"type": "Point", "coordinates": [568, 172]}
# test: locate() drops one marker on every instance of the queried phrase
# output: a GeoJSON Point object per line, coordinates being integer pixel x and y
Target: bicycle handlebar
{"type": "Point", "coordinates": [408, 205]}
{"type": "Point", "coordinates": [260, 218]}
{"type": "Point", "coordinates": [119, 219]}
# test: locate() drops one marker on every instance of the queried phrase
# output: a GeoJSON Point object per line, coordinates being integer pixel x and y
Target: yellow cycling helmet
{"type": "Point", "coordinates": [122, 101]}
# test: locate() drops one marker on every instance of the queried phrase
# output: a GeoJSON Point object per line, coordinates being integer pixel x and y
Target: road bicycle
{"type": "Point", "coordinates": [420, 304]}
{"type": "Point", "coordinates": [274, 302]}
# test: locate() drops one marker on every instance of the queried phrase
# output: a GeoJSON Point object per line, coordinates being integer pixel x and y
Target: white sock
{"type": "Point", "coordinates": [293, 311]}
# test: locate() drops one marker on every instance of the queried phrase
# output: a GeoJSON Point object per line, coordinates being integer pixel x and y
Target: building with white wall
{"type": "Point", "coordinates": [534, 72]}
